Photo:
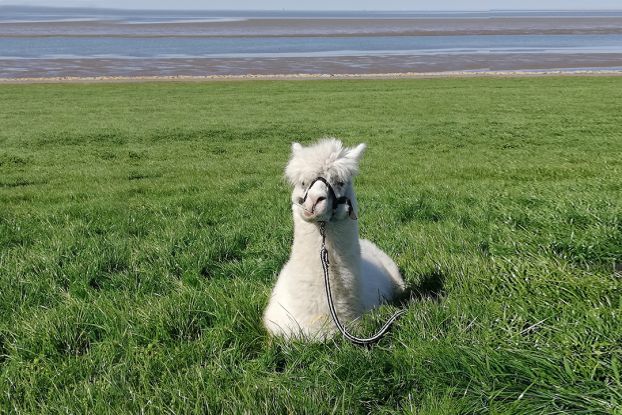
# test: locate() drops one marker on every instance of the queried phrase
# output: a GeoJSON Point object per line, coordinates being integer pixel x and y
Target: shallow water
{"type": "Point", "coordinates": [43, 42]}
{"type": "Point", "coordinates": [253, 47]}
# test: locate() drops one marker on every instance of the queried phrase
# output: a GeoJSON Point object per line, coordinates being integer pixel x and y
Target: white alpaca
{"type": "Point", "coordinates": [361, 275]}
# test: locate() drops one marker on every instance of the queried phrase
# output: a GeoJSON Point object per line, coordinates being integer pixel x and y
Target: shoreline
{"type": "Point", "coordinates": [305, 67]}
{"type": "Point", "coordinates": [294, 77]}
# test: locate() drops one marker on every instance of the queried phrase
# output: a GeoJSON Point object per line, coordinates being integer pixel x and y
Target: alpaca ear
{"type": "Point", "coordinates": [296, 147]}
{"type": "Point", "coordinates": [357, 152]}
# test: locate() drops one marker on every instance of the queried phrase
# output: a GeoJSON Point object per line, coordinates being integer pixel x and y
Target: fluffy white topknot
{"type": "Point", "coordinates": [327, 158]}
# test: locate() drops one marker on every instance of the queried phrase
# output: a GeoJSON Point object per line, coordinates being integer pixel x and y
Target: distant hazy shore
{"type": "Point", "coordinates": [402, 75]}
{"type": "Point", "coordinates": [336, 27]}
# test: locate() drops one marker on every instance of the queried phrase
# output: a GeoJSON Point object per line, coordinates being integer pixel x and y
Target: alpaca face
{"type": "Point", "coordinates": [318, 205]}
{"type": "Point", "coordinates": [335, 163]}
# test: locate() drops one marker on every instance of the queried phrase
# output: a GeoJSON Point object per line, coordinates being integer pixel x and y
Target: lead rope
{"type": "Point", "coordinates": [331, 306]}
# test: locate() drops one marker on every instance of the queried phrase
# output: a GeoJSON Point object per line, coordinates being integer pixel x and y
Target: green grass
{"type": "Point", "coordinates": [142, 227]}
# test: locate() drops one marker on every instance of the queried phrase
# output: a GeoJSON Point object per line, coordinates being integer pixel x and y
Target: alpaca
{"type": "Point", "coordinates": [362, 276]}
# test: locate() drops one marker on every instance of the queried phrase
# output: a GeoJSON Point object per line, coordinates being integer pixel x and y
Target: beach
{"type": "Point", "coordinates": [84, 43]}
{"type": "Point", "coordinates": [310, 77]}
{"type": "Point", "coordinates": [322, 66]}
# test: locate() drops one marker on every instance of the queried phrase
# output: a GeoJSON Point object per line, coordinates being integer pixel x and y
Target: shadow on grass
{"type": "Point", "coordinates": [431, 286]}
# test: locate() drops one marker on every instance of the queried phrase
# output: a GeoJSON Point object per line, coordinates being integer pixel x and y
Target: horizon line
{"type": "Point", "coordinates": [309, 10]}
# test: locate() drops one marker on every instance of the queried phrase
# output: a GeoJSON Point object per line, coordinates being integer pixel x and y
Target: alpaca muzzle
{"type": "Point", "coordinates": [315, 203]}
{"type": "Point", "coordinates": [332, 196]}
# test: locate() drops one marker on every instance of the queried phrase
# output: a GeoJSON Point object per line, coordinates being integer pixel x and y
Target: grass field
{"type": "Point", "coordinates": [142, 227]}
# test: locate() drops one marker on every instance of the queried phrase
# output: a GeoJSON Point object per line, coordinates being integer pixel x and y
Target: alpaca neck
{"type": "Point", "coordinates": [342, 242]}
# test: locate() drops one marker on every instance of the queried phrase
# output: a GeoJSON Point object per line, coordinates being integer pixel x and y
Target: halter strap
{"type": "Point", "coordinates": [343, 200]}
{"type": "Point", "coordinates": [363, 341]}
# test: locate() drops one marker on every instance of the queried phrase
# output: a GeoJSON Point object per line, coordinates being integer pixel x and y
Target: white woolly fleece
{"type": "Point", "coordinates": [328, 158]}
{"type": "Point", "coordinates": [362, 276]}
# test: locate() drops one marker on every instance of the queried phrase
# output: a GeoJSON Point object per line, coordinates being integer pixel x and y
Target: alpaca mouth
{"type": "Point", "coordinates": [318, 212]}
{"type": "Point", "coordinates": [319, 209]}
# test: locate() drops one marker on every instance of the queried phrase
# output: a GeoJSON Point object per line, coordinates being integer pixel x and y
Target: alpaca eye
{"type": "Point", "coordinates": [303, 184]}
{"type": "Point", "coordinates": [340, 184]}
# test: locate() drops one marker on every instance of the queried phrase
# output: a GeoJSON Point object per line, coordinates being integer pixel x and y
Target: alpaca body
{"type": "Point", "coordinates": [362, 276]}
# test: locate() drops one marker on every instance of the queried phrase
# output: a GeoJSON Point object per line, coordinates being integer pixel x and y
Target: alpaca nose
{"type": "Point", "coordinates": [316, 201]}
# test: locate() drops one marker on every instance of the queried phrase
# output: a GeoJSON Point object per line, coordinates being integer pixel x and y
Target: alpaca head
{"type": "Point", "coordinates": [328, 159]}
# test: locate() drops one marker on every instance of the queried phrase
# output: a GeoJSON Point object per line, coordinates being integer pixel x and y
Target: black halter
{"type": "Point", "coordinates": [343, 200]}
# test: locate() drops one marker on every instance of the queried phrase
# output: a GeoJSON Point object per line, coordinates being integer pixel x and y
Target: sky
{"type": "Point", "coordinates": [329, 4]}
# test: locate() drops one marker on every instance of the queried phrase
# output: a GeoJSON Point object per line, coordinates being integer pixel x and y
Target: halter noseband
{"type": "Point", "coordinates": [343, 200]}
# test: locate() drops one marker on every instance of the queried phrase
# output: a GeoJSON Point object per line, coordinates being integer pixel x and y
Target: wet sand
{"type": "Point", "coordinates": [27, 56]}
{"type": "Point", "coordinates": [324, 27]}
{"type": "Point", "coordinates": [352, 65]}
